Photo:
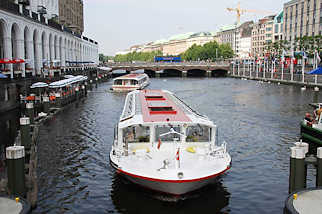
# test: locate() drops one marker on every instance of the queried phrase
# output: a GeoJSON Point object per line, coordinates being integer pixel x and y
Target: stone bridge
{"type": "Point", "coordinates": [184, 69]}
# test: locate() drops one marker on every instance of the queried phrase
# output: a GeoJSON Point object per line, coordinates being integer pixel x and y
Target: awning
{"type": "Point", "coordinates": [69, 81]}
{"type": "Point", "coordinates": [39, 85]}
{"type": "Point", "coordinates": [5, 61]}
{"type": "Point", "coordinates": [11, 61]}
{"type": "Point", "coordinates": [2, 76]}
{"type": "Point", "coordinates": [16, 61]}
{"type": "Point", "coordinates": [316, 71]}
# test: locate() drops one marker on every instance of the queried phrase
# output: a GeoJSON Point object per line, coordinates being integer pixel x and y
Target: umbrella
{"type": "Point", "coordinates": [2, 76]}
{"type": "Point", "coordinates": [316, 71]}
{"type": "Point", "coordinates": [39, 85]}
{"type": "Point", "coordinates": [15, 61]}
{"type": "Point", "coordinates": [5, 61]}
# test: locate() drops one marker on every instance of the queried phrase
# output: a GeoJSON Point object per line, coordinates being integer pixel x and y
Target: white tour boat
{"type": "Point", "coordinates": [130, 82]}
{"type": "Point", "coordinates": [162, 144]}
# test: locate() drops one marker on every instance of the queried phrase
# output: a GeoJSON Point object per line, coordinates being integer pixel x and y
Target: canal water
{"type": "Point", "coordinates": [259, 121]}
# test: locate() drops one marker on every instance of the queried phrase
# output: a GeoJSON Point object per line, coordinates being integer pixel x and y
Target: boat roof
{"type": "Point", "coordinates": [131, 77]}
{"type": "Point", "coordinates": [158, 106]}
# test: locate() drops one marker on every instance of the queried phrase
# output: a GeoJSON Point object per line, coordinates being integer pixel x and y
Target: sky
{"type": "Point", "coordinates": [119, 24]}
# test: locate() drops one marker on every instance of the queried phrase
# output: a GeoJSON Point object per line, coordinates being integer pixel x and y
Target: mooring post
{"type": "Point", "coordinates": [319, 167]}
{"type": "Point", "coordinates": [25, 132]}
{"type": "Point", "coordinates": [58, 100]}
{"type": "Point", "coordinates": [16, 169]}
{"type": "Point", "coordinates": [91, 85]}
{"type": "Point", "coordinates": [46, 104]}
{"type": "Point", "coordinates": [297, 179]}
{"type": "Point", "coordinates": [30, 112]}
{"type": "Point", "coordinates": [238, 70]}
{"type": "Point", "coordinates": [77, 93]}
{"type": "Point", "coordinates": [303, 145]}
{"type": "Point", "coordinates": [85, 88]}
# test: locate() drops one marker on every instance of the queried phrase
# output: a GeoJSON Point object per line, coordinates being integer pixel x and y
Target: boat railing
{"type": "Point", "coordinates": [189, 108]}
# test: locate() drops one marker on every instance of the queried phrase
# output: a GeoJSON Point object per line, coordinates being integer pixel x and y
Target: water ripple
{"type": "Point", "coordinates": [259, 121]}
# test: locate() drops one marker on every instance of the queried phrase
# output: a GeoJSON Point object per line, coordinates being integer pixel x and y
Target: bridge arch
{"type": "Point", "coordinates": [219, 73]}
{"type": "Point", "coordinates": [172, 73]}
{"type": "Point", "coordinates": [149, 72]}
{"type": "Point", "coordinates": [196, 73]}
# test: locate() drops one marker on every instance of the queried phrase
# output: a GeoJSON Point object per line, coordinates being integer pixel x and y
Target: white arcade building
{"type": "Point", "coordinates": [32, 45]}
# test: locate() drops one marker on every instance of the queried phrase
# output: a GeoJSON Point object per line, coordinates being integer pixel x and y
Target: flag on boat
{"type": "Point", "coordinates": [159, 143]}
{"type": "Point", "coordinates": [177, 155]}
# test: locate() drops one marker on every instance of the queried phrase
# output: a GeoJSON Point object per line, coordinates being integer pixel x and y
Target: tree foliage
{"type": "Point", "coordinates": [103, 58]}
{"type": "Point", "coordinates": [309, 44]}
{"type": "Point", "coordinates": [138, 56]}
{"type": "Point", "coordinates": [209, 51]}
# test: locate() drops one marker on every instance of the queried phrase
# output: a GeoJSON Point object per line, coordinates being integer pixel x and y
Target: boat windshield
{"type": "Point", "coordinates": [198, 133]}
{"type": "Point", "coordinates": [162, 130]}
{"type": "Point", "coordinates": [136, 134]}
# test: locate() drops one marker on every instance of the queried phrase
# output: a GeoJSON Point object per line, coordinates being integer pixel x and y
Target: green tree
{"type": "Point", "coordinates": [209, 51]}
{"type": "Point", "coordinates": [137, 56]}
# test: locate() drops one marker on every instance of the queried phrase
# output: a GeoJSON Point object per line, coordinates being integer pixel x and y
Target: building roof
{"type": "Point", "coordinates": [181, 36]}
{"type": "Point", "coordinates": [227, 27]}
{"type": "Point", "coordinates": [279, 18]}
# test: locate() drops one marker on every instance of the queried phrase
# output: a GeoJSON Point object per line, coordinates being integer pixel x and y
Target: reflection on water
{"type": "Point", "coordinates": [130, 198]}
{"type": "Point", "coordinates": [258, 121]}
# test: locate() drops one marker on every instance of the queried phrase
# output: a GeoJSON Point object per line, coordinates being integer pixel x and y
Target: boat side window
{"type": "Point", "coordinates": [198, 133]}
{"type": "Point", "coordinates": [134, 82]}
{"type": "Point", "coordinates": [159, 130]}
{"type": "Point", "coordinates": [118, 82]}
{"type": "Point", "coordinates": [137, 134]}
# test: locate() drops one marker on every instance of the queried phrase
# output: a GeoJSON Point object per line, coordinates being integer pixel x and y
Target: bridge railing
{"type": "Point", "coordinates": [190, 63]}
{"type": "Point", "coordinates": [277, 73]}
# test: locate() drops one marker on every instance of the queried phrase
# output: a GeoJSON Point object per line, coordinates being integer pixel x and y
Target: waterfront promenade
{"type": "Point", "coordinates": [276, 74]}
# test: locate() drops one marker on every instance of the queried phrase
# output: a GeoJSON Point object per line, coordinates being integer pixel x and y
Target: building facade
{"type": "Point", "coordinates": [244, 39]}
{"type": "Point", "coordinates": [238, 37]}
{"type": "Point", "coordinates": [178, 46]}
{"type": "Point", "coordinates": [278, 27]}
{"type": "Point", "coordinates": [262, 35]}
{"type": "Point", "coordinates": [302, 18]}
{"type": "Point", "coordinates": [71, 14]}
{"type": "Point", "coordinates": [48, 8]}
{"type": "Point", "coordinates": [29, 36]}
{"type": "Point", "coordinates": [228, 35]}
{"type": "Point", "coordinates": [175, 45]}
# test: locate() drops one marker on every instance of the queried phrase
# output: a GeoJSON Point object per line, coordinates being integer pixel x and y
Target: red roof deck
{"type": "Point", "coordinates": [158, 107]}
{"type": "Point", "coordinates": [131, 76]}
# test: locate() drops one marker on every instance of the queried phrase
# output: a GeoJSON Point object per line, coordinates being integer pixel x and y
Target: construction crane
{"type": "Point", "coordinates": [242, 11]}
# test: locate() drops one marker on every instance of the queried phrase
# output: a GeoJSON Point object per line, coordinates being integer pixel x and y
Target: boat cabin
{"type": "Point", "coordinates": [152, 117]}
{"type": "Point", "coordinates": [130, 82]}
